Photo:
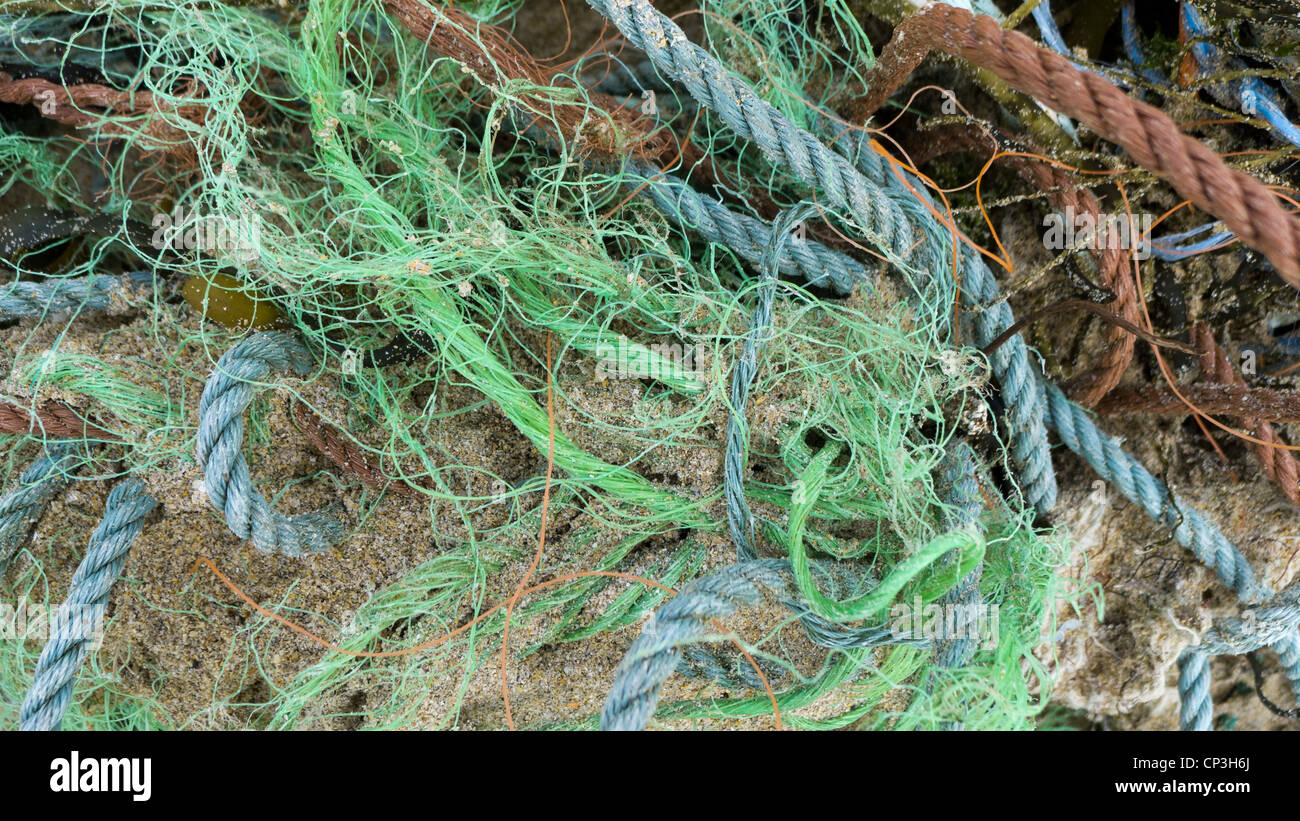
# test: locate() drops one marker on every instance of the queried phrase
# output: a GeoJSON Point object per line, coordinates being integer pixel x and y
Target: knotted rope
{"type": "Point", "coordinates": [81, 615]}
{"type": "Point", "coordinates": [228, 392]}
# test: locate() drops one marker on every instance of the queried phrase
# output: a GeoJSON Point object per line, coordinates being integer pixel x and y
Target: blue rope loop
{"type": "Point", "coordinates": [228, 393]}
{"type": "Point", "coordinates": [81, 616]}
{"type": "Point", "coordinates": [879, 216]}
{"type": "Point", "coordinates": [670, 639]}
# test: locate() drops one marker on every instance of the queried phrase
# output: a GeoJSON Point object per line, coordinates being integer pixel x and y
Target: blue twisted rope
{"type": "Point", "coordinates": [1273, 624]}
{"type": "Point", "coordinates": [877, 212]}
{"type": "Point", "coordinates": [228, 392]}
{"type": "Point", "coordinates": [20, 300]}
{"type": "Point", "coordinates": [739, 519]}
{"type": "Point", "coordinates": [957, 475]}
{"type": "Point", "coordinates": [745, 235]}
{"type": "Point", "coordinates": [82, 613]}
{"type": "Point", "coordinates": [1026, 405]}
{"type": "Point", "coordinates": [687, 619]}
{"type": "Point", "coordinates": [880, 215]}
{"type": "Point", "coordinates": [1104, 453]}
{"type": "Point", "coordinates": [1275, 618]}
{"type": "Point", "coordinates": [23, 505]}
{"type": "Point", "coordinates": [813, 262]}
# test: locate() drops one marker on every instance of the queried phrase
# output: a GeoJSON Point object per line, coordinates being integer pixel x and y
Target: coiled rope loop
{"type": "Point", "coordinates": [228, 392]}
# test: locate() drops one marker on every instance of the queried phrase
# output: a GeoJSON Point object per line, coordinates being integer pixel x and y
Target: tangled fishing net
{"type": "Point", "coordinates": [524, 386]}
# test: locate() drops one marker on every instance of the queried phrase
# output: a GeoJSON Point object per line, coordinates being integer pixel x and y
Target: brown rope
{"type": "Point", "coordinates": [1112, 263]}
{"type": "Point", "coordinates": [69, 104]}
{"type": "Point", "coordinates": [51, 418]}
{"type": "Point", "coordinates": [342, 451]}
{"type": "Point", "coordinates": [1243, 204]}
{"type": "Point", "coordinates": [1278, 464]}
{"type": "Point", "coordinates": [1228, 400]}
{"type": "Point", "coordinates": [1090, 307]}
{"type": "Point", "coordinates": [487, 52]}
{"type": "Point", "coordinates": [87, 104]}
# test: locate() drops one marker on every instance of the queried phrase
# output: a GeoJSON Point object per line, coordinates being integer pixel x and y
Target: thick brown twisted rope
{"type": "Point", "coordinates": [51, 418]}
{"type": "Point", "coordinates": [87, 104]}
{"type": "Point", "coordinates": [342, 451]}
{"type": "Point", "coordinates": [1112, 263]}
{"type": "Point", "coordinates": [69, 104]}
{"type": "Point", "coordinates": [1278, 464]}
{"type": "Point", "coordinates": [1219, 400]}
{"type": "Point", "coordinates": [1243, 203]}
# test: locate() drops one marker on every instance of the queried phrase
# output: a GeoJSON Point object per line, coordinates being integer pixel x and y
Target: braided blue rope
{"type": "Point", "coordinates": [747, 236]}
{"type": "Point", "coordinates": [1026, 406]}
{"type": "Point", "coordinates": [228, 392]}
{"type": "Point", "coordinates": [687, 619]}
{"type": "Point", "coordinates": [957, 474]}
{"type": "Point", "coordinates": [739, 519]}
{"type": "Point", "coordinates": [882, 217]}
{"type": "Point", "coordinates": [1249, 93]}
{"type": "Point", "coordinates": [878, 212]}
{"type": "Point", "coordinates": [82, 613]}
{"type": "Point", "coordinates": [23, 505]}
{"type": "Point", "coordinates": [20, 300]}
{"type": "Point", "coordinates": [1104, 453]}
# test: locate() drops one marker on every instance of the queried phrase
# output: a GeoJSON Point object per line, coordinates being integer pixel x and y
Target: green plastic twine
{"type": "Point", "coordinates": [968, 542]}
